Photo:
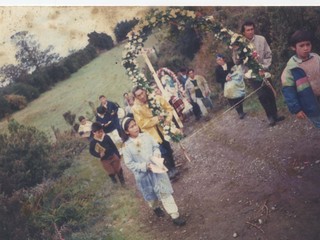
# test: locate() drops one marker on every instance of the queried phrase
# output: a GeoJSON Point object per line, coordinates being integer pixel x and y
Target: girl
{"type": "Point", "coordinates": [140, 153]}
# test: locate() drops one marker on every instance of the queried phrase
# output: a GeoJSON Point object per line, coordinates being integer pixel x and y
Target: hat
{"type": "Point", "coordinates": [219, 55]}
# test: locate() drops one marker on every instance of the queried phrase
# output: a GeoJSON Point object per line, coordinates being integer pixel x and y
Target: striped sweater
{"type": "Point", "coordinates": [301, 84]}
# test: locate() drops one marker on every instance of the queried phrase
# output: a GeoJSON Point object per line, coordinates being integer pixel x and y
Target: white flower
{"type": "Point", "coordinates": [166, 128]}
{"type": "Point", "coordinates": [245, 50]}
{"type": "Point", "coordinates": [167, 138]}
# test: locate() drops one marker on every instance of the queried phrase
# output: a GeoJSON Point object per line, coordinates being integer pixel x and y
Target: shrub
{"type": "Point", "coordinates": [23, 157]}
{"type": "Point", "coordinates": [100, 41]}
{"type": "Point", "coordinates": [23, 89]}
{"type": "Point", "coordinates": [17, 102]}
{"type": "Point", "coordinates": [4, 107]}
{"type": "Point", "coordinates": [57, 72]}
{"type": "Point", "coordinates": [121, 30]}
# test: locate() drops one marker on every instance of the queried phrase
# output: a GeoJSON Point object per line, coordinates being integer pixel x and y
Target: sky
{"type": "Point", "coordinates": [64, 27]}
{"type": "Point", "coordinates": [65, 24]}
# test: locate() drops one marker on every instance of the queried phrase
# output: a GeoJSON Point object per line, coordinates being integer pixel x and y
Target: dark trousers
{"type": "Point", "coordinates": [167, 154]}
{"type": "Point", "coordinates": [234, 101]}
{"type": "Point", "coordinates": [266, 98]}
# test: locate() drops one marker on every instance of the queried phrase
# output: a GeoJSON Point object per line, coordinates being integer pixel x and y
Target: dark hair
{"type": "Point", "coordinates": [101, 96]}
{"type": "Point", "coordinates": [183, 70]}
{"type": "Point", "coordinates": [81, 118]}
{"type": "Point", "coordinates": [190, 69]}
{"type": "Point", "coordinates": [96, 126]}
{"type": "Point", "coordinates": [124, 127]}
{"type": "Point", "coordinates": [136, 88]}
{"type": "Point", "coordinates": [101, 110]}
{"type": "Point", "coordinates": [246, 24]}
{"type": "Point", "coordinates": [300, 36]}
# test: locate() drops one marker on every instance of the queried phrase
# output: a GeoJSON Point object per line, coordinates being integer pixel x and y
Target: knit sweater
{"type": "Point", "coordinates": [300, 85]}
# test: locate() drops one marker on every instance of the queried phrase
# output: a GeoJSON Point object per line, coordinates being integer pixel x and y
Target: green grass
{"type": "Point", "coordinates": [104, 75]}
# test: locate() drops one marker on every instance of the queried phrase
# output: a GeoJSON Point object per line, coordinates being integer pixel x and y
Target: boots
{"type": "Point", "coordinates": [113, 178]}
{"type": "Point", "coordinates": [159, 212]}
{"type": "Point", "coordinates": [121, 177]}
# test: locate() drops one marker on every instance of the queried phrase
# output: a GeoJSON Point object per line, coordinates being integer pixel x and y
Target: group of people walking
{"type": "Point", "coordinates": [146, 152]}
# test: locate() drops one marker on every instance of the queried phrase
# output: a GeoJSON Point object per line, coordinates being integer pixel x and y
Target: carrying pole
{"type": "Point", "coordinates": [159, 84]}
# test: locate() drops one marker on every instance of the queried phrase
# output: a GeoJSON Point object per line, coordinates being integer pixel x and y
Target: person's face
{"type": "Point", "coordinates": [103, 100]}
{"type": "Point", "coordinates": [83, 121]}
{"type": "Point", "coordinates": [220, 61]}
{"type": "Point", "coordinates": [98, 134]}
{"type": "Point", "coordinates": [141, 95]}
{"type": "Point", "coordinates": [191, 74]}
{"type": "Point", "coordinates": [248, 32]}
{"type": "Point", "coordinates": [303, 49]}
{"type": "Point", "coordinates": [133, 129]}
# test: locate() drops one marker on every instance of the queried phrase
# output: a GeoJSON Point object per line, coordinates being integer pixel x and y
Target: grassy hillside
{"type": "Point", "coordinates": [104, 75]}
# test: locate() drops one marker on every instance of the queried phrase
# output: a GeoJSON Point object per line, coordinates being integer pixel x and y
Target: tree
{"type": "Point", "coordinates": [10, 73]}
{"type": "Point", "coordinates": [121, 30]}
{"type": "Point", "coordinates": [29, 54]}
{"type": "Point", "coordinates": [100, 40]}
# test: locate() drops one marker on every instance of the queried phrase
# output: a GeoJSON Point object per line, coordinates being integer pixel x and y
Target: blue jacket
{"type": "Point", "coordinates": [136, 156]}
{"type": "Point", "coordinates": [297, 90]}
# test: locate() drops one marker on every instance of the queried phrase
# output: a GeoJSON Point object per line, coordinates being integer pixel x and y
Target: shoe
{"type": "Point", "coordinates": [171, 174]}
{"type": "Point", "coordinates": [179, 221]}
{"type": "Point", "coordinates": [272, 122]}
{"type": "Point", "coordinates": [159, 212]}
{"type": "Point", "coordinates": [242, 115]}
{"type": "Point", "coordinates": [281, 118]}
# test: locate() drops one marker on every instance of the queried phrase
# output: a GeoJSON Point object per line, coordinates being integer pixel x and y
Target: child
{"type": "Point", "coordinates": [234, 89]}
{"type": "Point", "coordinates": [301, 79]}
{"type": "Point", "coordinates": [101, 146]}
{"type": "Point", "coordinates": [85, 128]}
{"type": "Point", "coordinates": [138, 152]}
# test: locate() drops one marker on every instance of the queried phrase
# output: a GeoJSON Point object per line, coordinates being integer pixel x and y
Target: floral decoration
{"type": "Point", "coordinates": [180, 17]}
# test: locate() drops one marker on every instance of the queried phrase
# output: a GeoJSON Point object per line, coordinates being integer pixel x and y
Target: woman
{"type": "Point", "coordinates": [142, 156]}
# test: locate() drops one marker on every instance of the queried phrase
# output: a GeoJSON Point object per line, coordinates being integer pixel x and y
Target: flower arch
{"type": "Point", "coordinates": [180, 17]}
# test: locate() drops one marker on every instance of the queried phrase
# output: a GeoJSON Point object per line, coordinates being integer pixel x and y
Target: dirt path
{"type": "Point", "coordinates": [245, 180]}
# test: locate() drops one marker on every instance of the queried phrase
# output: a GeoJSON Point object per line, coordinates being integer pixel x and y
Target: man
{"type": "Point", "coordinates": [197, 89]}
{"type": "Point", "coordinates": [112, 110]}
{"type": "Point", "coordinates": [151, 124]}
{"type": "Point", "coordinates": [222, 70]}
{"type": "Point", "coordinates": [264, 57]}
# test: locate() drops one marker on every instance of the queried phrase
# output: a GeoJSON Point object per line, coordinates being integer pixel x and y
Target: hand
{"type": "Point", "coordinates": [301, 115]}
{"type": "Point", "coordinates": [102, 154]}
{"type": "Point", "coordinates": [261, 72]}
{"type": "Point", "coordinates": [161, 118]}
{"type": "Point", "coordinates": [228, 78]}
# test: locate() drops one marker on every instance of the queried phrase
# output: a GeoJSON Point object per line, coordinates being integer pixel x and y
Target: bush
{"type": "Point", "coordinates": [57, 72]}
{"type": "Point", "coordinates": [16, 102]}
{"type": "Point", "coordinates": [100, 41]}
{"type": "Point", "coordinates": [121, 30]}
{"type": "Point", "coordinates": [188, 42]}
{"type": "Point", "coordinates": [23, 157]}
{"type": "Point", "coordinates": [23, 89]}
{"type": "Point", "coordinates": [4, 107]}
{"type": "Point", "coordinates": [41, 80]}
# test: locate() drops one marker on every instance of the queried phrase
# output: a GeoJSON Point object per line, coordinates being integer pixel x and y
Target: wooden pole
{"type": "Point", "coordinates": [159, 84]}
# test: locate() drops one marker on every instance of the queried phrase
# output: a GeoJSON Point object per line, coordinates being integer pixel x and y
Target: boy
{"type": "Point", "coordinates": [301, 79]}
{"type": "Point", "coordinates": [101, 146]}
{"type": "Point", "coordinates": [85, 128]}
